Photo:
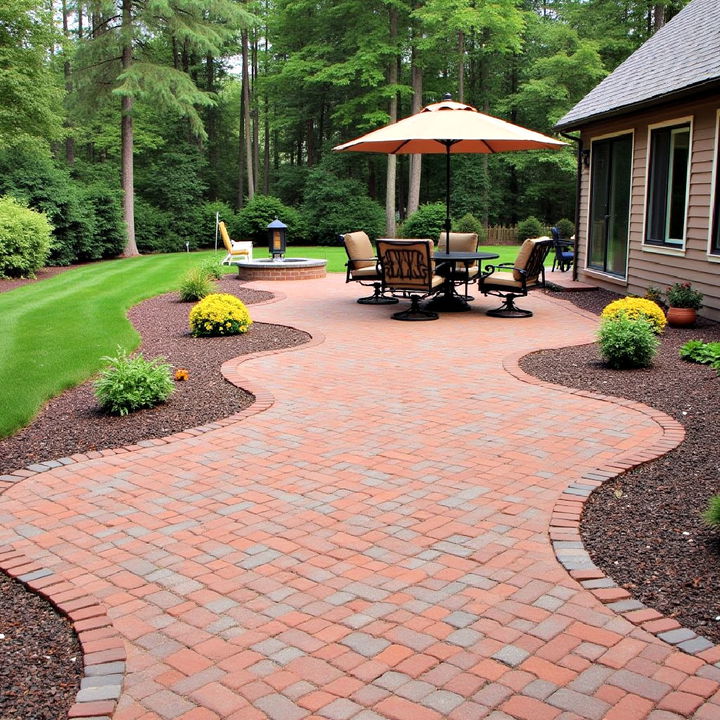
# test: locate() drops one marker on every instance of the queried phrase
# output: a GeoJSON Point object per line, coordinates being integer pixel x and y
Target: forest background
{"type": "Point", "coordinates": [131, 123]}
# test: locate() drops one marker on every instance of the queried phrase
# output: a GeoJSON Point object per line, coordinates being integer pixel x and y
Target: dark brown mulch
{"type": "Point", "coordinates": [644, 529]}
{"type": "Point", "coordinates": [74, 423]}
{"type": "Point", "coordinates": [38, 676]}
{"type": "Point", "coordinates": [40, 657]}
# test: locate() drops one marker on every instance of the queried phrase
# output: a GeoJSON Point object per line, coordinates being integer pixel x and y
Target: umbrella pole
{"type": "Point", "coordinates": [447, 144]}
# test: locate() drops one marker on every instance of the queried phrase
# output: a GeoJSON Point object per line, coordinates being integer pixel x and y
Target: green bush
{"type": "Point", "coordinates": [701, 352]}
{"type": "Point", "coordinates": [428, 221]}
{"type": "Point", "coordinates": [529, 228]}
{"type": "Point", "coordinates": [258, 213]}
{"type": "Point", "coordinates": [565, 227]}
{"type": "Point", "coordinates": [627, 342]}
{"type": "Point", "coordinates": [25, 237]}
{"type": "Point", "coordinates": [219, 314]}
{"type": "Point", "coordinates": [634, 307]}
{"type": "Point", "coordinates": [130, 383]}
{"type": "Point", "coordinates": [195, 285]}
{"type": "Point", "coordinates": [212, 268]}
{"type": "Point", "coordinates": [152, 229]}
{"type": "Point", "coordinates": [712, 514]}
{"type": "Point", "coordinates": [334, 206]}
{"type": "Point", "coordinates": [469, 223]}
{"type": "Point", "coordinates": [106, 228]}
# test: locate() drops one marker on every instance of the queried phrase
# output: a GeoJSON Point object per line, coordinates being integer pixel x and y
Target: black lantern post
{"type": "Point", "coordinates": [277, 239]}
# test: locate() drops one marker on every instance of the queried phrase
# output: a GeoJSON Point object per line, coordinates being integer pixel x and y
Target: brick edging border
{"type": "Point", "coordinates": [103, 647]}
{"type": "Point", "coordinates": [564, 529]}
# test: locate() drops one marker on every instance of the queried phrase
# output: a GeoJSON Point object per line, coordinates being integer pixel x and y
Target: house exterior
{"type": "Point", "coordinates": [649, 169]}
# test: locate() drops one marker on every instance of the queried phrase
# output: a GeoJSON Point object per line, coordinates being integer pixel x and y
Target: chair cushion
{"type": "Point", "coordinates": [360, 250]}
{"type": "Point", "coordinates": [365, 272]}
{"type": "Point", "coordinates": [524, 255]}
{"type": "Point", "coordinates": [503, 279]}
{"type": "Point", "coordinates": [225, 237]}
{"type": "Point", "coordinates": [459, 242]}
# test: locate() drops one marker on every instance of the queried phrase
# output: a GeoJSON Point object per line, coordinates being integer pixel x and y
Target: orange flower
{"type": "Point", "coordinates": [181, 374]}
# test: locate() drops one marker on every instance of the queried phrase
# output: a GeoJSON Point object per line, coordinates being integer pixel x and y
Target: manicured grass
{"type": "Point", "coordinates": [56, 331]}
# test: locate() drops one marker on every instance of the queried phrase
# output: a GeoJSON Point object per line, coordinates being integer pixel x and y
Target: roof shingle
{"type": "Point", "coordinates": [682, 54]}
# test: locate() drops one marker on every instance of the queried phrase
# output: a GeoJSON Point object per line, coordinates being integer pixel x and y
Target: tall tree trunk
{"type": "Point", "coordinates": [391, 178]}
{"type": "Point", "coordinates": [266, 149]}
{"type": "Point", "coordinates": [658, 17]}
{"type": "Point", "coordinates": [415, 174]}
{"type": "Point", "coordinates": [255, 114]}
{"type": "Point", "coordinates": [246, 115]}
{"type": "Point", "coordinates": [310, 141]}
{"type": "Point", "coordinates": [240, 200]}
{"type": "Point", "coordinates": [461, 66]}
{"type": "Point", "coordinates": [69, 140]}
{"type": "Point", "coordinates": [126, 137]}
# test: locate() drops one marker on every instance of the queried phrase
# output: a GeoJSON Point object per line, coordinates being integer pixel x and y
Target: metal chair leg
{"type": "Point", "coordinates": [377, 298]}
{"type": "Point", "coordinates": [509, 310]}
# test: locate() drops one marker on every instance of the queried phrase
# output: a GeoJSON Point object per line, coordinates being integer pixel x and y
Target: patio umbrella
{"type": "Point", "coordinates": [450, 127]}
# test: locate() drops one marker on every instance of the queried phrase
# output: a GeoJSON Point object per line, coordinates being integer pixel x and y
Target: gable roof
{"type": "Point", "coordinates": [683, 55]}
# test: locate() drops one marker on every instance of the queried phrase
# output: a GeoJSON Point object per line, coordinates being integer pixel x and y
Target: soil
{"type": "Point", "coordinates": [643, 529]}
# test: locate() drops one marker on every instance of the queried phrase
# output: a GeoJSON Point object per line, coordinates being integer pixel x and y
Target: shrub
{"type": "Point", "coordinates": [701, 352]}
{"type": "Point", "coordinates": [212, 268]}
{"type": "Point", "coordinates": [633, 308]}
{"type": "Point", "coordinates": [469, 223]}
{"type": "Point", "coordinates": [627, 342]}
{"type": "Point", "coordinates": [565, 227]}
{"type": "Point", "coordinates": [529, 228]}
{"type": "Point", "coordinates": [195, 285]}
{"type": "Point", "coordinates": [335, 205]}
{"type": "Point", "coordinates": [152, 229]}
{"type": "Point", "coordinates": [258, 213]}
{"type": "Point", "coordinates": [712, 514]}
{"type": "Point", "coordinates": [428, 221]}
{"type": "Point", "coordinates": [25, 237]}
{"type": "Point", "coordinates": [131, 383]}
{"type": "Point", "coordinates": [655, 295]}
{"type": "Point", "coordinates": [681, 295]}
{"type": "Point", "coordinates": [219, 314]}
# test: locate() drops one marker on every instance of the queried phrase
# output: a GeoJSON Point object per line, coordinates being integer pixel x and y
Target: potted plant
{"type": "Point", "coordinates": [683, 304]}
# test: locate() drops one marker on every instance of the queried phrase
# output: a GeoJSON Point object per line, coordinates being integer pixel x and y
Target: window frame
{"type": "Point", "coordinates": [671, 246]}
{"type": "Point", "coordinates": [713, 246]}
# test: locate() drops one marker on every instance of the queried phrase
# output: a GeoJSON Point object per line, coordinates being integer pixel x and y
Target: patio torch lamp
{"type": "Point", "coordinates": [277, 239]}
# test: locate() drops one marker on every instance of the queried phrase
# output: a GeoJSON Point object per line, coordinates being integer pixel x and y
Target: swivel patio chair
{"type": "Point", "coordinates": [460, 242]}
{"type": "Point", "coordinates": [236, 251]}
{"type": "Point", "coordinates": [407, 266]}
{"type": "Point", "coordinates": [526, 273]}
{"type": "Point", "coordinates": [362, 267]}
{"type": "Point", "coordinates": [564, 251]}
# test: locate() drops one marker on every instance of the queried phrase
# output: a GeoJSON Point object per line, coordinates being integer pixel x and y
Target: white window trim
{"type": "Point", "coordinates": [600, 273]}
{"type": "Point", "coordinates": [714, 190]}
{"type": "Point", "coordinates": [678, 249]}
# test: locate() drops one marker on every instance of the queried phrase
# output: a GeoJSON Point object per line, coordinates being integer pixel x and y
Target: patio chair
{"type": "Point", "coordinates": [527, 272]}
{"type": "Point", "coordinates": [407, 266]}
{"type": "Point", "coordinates": [564, 251]}
{"type": "Point", "coordinates": [237, 251]}
{"type": "Point", "coordinates": [362, 268]}
{"type": "Point", "coordinates": [461, 242]}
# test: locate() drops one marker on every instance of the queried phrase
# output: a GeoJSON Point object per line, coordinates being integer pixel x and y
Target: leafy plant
{"type": "Point", "coordinates": [195, 285]}
{"type": "Point", "coordinates": [682, 295]}
{"type": "Point", "coordinates": [428, 221]}
{"type": "Point", "coordinates": [469, 223]}
{"type": "Point", "coordinates": [712, 514]}
{"type": "Point", "coordinates": [212, 268]}
{"type": "Point", "coordinates": [258, 213]}
{"type": "Point", "coordinates": [565, 227]}
{"type": "Point", "coordinates": [130, 383]}
{"type": "Point", "coordinates": [219, 314]}
{"type": "Point", "coordinates": [627, 342]}
{"type": "Point", "coordinates": [655, 294]}
{"type": "Point", "coordinates": [633, 308]}
{"type": "Point", "coordinates": [25, 237]}
{"type": "Point", "coordinates": [529, 228]}
{"type": "Point", "coordinates": [701, 352]}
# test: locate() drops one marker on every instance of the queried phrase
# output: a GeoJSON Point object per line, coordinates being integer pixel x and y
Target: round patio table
{"type": "Point", "coordinates": [449, 300]}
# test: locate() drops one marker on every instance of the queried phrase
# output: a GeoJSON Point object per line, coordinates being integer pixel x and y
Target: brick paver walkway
{"type": "Point", "coordinates": [374, 545]}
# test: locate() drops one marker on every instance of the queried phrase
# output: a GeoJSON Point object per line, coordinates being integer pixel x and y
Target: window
{"type": "Point", "coordinates": [610, 181]}
{"type": "Point", "coordinates": [668, 185]}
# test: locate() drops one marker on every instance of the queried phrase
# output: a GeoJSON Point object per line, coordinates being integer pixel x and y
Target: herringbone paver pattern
{"type": "Point", "coordinates": [373, 545]}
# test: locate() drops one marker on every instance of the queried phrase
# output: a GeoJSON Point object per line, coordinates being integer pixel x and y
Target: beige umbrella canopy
{"type": "Point", "coordinates": [450, 127]}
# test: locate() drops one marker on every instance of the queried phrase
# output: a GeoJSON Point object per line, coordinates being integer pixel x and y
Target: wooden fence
{"type": "Point", "coordinates": [504, 235]}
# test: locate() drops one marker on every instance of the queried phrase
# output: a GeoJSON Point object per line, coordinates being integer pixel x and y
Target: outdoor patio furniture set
{"type": "Point", "coordinates": [416, 270]}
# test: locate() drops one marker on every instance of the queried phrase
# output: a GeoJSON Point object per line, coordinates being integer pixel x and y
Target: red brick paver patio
{"type": "Point", "coordinates": [374, 543]}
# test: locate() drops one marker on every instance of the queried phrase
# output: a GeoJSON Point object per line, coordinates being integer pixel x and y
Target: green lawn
{"type": "Point", "coordinates": [56, 331]}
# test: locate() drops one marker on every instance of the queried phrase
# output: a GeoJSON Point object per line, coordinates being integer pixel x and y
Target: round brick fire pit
{"type": "Point", "coordinates": [285, 269]}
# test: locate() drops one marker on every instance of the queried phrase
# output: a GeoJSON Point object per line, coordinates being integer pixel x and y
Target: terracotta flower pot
{"type": "Point", "coordinates": [681, 317]}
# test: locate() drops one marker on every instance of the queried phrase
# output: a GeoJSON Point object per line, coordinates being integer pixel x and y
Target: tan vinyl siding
{"type": "Point", "coordinates": [647, 268]}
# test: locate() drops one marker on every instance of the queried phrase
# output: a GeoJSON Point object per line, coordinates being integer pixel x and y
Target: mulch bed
{"type": "Point", "coordinates": [644, 529]}
{"type": "Point", "coordinates": [38, 676]}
